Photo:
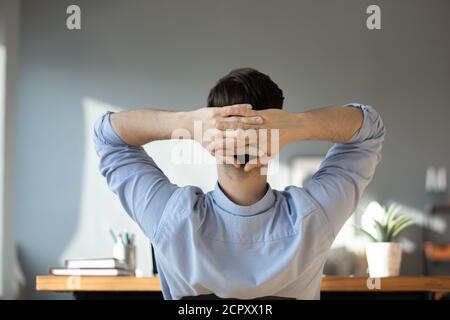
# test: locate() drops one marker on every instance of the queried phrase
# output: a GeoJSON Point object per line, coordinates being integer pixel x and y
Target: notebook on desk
{"type": "Point", "coordinates": [93, 267]}
{"type": "Point", "coordinates": [89, 272]}
{"type": "Point", "coordinates": [105, 263]}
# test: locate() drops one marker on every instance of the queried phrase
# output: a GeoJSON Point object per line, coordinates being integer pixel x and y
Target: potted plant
{"type": "Point", "coordinates": [382, 226]}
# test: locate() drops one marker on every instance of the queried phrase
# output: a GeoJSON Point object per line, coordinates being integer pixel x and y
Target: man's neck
{"type": "Point", "coordinates": [243, 189]}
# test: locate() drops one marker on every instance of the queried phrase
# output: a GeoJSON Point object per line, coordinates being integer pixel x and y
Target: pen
{"type": "Point", "coordinates": [113, 235]}
{"type": "Point", "coordinates": [123, 237]}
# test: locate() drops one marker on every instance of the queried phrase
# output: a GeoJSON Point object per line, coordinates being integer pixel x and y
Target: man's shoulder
{"type": "Point", "coordinates": [299, 200]}
{"type": "Point", "coordinates": [184, 200]}
{"type": "Point", "coordinates": [305, 210]}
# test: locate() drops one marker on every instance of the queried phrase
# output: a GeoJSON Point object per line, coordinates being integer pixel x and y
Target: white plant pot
{"type": "Point", "coordinates": [384, 259]}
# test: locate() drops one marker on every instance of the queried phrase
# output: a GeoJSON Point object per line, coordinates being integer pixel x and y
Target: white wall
{"type": "Point", "coordinates": [168, 54]}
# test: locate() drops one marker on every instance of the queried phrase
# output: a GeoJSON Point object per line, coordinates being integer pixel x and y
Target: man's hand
{"type": "Point", "coordinates": [279, 126]}
{"type": "Point", "coordinates": [235, 150]}
{"type": "Point", "coordinates": [241, 114]}
{"type": "Point", "coordinates": [273, 119]}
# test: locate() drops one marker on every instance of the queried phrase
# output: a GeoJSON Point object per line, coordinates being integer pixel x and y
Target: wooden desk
{"type": "Point", "coordinates": [73, 284]}
{"type": "Point", "coordinates": [331, 287]}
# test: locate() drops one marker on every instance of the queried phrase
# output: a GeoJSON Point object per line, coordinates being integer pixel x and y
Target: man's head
{"type": "Point", "coordinates": [246, 85]}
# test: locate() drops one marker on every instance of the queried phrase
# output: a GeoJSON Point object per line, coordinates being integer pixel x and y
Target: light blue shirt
{"type": "Point", "coordinates": [206, 244]}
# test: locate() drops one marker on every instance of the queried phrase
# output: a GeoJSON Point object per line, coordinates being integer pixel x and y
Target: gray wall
{"type": "Point", "coordinates": [9, 41]}
{"type": "Point", "coordinates": [168, 53]}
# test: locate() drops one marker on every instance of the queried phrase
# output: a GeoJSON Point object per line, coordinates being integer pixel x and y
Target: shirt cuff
{"type": "Point", "coordinates": [104, 132]}
{"type": "Point", "coordinates": [366, 128]}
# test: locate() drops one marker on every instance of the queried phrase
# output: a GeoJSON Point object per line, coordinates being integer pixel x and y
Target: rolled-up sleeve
{"type": "Point", "coordinates": [347, 170]}
{"type": "Point", "coordinates": [133, 176]}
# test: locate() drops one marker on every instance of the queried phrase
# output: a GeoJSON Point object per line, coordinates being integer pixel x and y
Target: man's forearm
{"type": "Point", "coordinates": [335, 124]}
{"type": "Point", "coordinates": [141, 126]}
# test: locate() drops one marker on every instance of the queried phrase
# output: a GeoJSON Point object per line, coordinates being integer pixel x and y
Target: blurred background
{"type": "Point", "coordinates": [167, 54]}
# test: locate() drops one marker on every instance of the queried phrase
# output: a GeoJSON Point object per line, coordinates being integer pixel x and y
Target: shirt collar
{"type": "Point", "coordinates": [226, 204]}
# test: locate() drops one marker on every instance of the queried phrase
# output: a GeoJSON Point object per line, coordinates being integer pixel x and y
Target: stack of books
{"type": "Point", "coordinates": [93, 267]}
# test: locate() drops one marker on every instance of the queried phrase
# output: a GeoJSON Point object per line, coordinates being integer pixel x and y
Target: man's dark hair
{"type": "Point", "coordinates": [246, 85]}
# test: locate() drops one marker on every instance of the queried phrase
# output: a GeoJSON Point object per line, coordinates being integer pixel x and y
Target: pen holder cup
{"type": "Point", "coordinates": [125, 253]}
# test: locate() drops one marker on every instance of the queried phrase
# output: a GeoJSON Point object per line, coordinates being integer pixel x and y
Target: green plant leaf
{"type": "Point", "coordinates": [401, 227]}
{"type": "Point", "coordinates": [390, 227]}
{"type": "Point", "coordinates": [367, 234]}
{"type": "Point", "coordinates": [394, 225]}
{"type": "Point", "coordinates": [399, 222]}
{"type": "Point", "coordinates": [391, 213]}
{"type": "Point", "coordinates": [382, 230]}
